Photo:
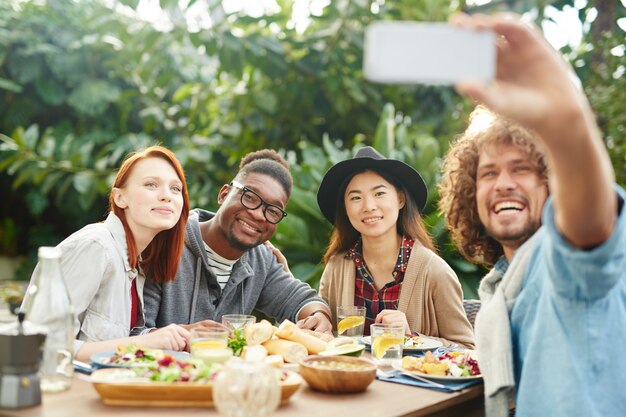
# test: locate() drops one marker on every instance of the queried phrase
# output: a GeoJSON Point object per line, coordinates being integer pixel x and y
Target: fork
{"type": "Point", "coordinates": [395, 372]}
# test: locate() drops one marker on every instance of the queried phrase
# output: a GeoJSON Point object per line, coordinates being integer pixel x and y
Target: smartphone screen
{"type": "Point", "coordinates": [427, 53]}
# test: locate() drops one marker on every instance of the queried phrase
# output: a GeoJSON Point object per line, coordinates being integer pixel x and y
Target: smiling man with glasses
{"type": "Point", "coordinates": [253, 201]}
{"type": "Point", "coordinates": [225, 267]}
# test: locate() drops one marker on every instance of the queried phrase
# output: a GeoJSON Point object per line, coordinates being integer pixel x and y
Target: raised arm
{"type": "Point", "coordinates": [534, 86]}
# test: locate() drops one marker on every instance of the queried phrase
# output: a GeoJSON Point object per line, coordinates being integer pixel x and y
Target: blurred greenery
{"type": "Point", "coordinates": [83, 83]}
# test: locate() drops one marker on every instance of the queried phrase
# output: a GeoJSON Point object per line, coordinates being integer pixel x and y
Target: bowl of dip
{"type": "Point", "coordinates": [337, 374]}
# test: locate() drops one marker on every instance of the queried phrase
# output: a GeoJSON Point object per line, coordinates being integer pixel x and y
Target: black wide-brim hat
{"type": "Point", "coordinates": [368, 158]}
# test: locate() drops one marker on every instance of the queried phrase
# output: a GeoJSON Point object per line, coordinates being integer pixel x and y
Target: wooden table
{"type": "Point", "coordinates": [381, 399]}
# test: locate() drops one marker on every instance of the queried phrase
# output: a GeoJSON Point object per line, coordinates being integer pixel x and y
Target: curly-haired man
{"type": "Point", "coordinates": [528, 189]}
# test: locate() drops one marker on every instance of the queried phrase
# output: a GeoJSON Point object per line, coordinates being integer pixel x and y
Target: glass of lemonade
{"type": "Point", "coordinates": [350, 321]}
{"type": "Point", "coordinates": [210, 345]}
{"type": "Point", "coordinates": [387, 343]}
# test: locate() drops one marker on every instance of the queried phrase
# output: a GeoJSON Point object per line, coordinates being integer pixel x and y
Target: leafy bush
{"type": "Point", "coordinates": [82, 84]}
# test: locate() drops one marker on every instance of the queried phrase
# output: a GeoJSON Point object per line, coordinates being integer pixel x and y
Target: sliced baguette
{"type": "Point", "coordinates": [291, 352]}
{"type": "Point", "coordinates": [289, 331]}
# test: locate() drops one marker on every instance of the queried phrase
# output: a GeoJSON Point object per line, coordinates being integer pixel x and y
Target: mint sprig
{"type": "Point", "coordinates": [238, 342]}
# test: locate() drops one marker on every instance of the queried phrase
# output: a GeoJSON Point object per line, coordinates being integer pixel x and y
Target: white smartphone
{"type": "Point", "coordinates": [427, 53]}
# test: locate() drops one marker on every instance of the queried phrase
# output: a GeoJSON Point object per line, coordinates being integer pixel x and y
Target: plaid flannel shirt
{"type": "Point", "coordinates": [366, 295]}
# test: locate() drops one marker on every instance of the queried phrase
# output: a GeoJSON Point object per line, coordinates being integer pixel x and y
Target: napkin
{"type": "Point", "coordinates": [449, 386]}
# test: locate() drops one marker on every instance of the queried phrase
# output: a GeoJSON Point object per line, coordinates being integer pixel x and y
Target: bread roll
{"type": "Point", "coordinates": [289, 331]}
{"type": "Point", "coordinates": [291, 352]}
{"type": "Point", "coordinates": [340, 341]}
{"type": "Point", "coordinates": [322, 336]}
{"type": "Point", "coordinates": [258, 333]}
{"type": "Point", "coordinates": [274, 360]}
{"type": "Point", "coordinates": [254, 353]}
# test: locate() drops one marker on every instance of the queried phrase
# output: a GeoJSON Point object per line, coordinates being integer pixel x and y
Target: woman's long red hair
{"type": "Point", "coordinates": [160, 259]}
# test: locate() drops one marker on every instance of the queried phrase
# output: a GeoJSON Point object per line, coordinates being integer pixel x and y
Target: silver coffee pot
{"type": "Point", "coordinates": [21, 344]}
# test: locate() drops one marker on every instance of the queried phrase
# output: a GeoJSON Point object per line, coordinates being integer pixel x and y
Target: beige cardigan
{"type": "Point", "coordinates": [431, 295]}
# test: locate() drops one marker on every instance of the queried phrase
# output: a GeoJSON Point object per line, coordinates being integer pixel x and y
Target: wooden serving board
{"type": "Point", "coordinates": [174, 394]}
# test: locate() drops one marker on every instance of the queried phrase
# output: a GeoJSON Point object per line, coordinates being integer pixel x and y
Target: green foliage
{"type": "Point", "coordinates": [82, 84]}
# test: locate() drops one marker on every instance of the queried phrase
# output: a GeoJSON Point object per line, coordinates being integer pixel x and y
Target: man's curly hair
{"type": "Point", "coordinates": [458, 184]}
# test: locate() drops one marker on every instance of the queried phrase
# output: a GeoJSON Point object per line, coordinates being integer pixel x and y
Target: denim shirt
{"type": "Point", "coordinates": [98, 276]}
{"type": "Point", "coordinates": [568, 326]}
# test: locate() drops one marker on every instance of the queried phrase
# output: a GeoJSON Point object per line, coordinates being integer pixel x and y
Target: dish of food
{"type": "Point", "coordinates": [451, 366]}
{"type": "Point", "coordinates": [133, 356]}
{"type": "Point", "coordinates": [411, 344]}
{"type": "Point", "coordinates": [337, 374]}
{"type": "Point", "coordinates": [125, 387]}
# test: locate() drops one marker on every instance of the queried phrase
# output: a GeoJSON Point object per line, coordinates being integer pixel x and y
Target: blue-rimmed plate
{"type": "Point", "coordinates": [439, 378]}
{"type": "Point", "coordinates": [425, 343]}
{"type": "Point", "coordinates": [101, 359]}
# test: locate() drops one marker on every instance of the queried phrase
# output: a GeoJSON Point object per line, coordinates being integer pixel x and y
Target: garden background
{"type": "Point", "coordinates": [82, 83]}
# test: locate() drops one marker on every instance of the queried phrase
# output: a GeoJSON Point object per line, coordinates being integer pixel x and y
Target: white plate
{"type": "Point", "coordinates": [99, 360]}
{"type": "Point", "coordinates": [437, 377]}
{"type": "Point", "coordinates": [426, 343]}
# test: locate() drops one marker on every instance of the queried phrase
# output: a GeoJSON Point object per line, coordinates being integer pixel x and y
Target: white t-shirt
{"type": "Point", "coordinates": [220, 266]}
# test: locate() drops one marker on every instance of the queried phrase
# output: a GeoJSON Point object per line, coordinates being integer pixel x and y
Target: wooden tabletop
{"type": "Point", "coordinates": [381, 399]}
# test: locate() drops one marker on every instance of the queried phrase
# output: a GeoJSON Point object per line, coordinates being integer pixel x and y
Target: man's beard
{"type": "Point", "coordinates": [234, 243]}
{"type": "Point", "coordinates": [515, 238]}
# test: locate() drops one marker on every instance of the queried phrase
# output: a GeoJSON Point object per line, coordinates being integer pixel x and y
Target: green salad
{"type": "Point", "coordinates": [156, 365]}
{"type": "Point", "coordinates": [133, 355]}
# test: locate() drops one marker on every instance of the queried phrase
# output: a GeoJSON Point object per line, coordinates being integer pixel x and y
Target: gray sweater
{"type": "Point", "coordinates": [257, 281]}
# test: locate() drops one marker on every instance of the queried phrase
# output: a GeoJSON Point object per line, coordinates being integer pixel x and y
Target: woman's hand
{"type": "Point", "coordinates": [172, 337]}
{"type": "Point", "coordinates": [393, 317]}
{"type": "Point", "coordinates": [279, 256]}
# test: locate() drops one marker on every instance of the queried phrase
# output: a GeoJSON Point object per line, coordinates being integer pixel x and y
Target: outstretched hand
{"type": "Point", "coordinates": [534, 84]}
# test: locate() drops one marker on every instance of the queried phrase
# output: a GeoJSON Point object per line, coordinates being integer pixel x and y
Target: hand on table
{"type": "Point", "coordinates": [172, 337]}
{"type": "Point", "coordinates": [318, 322]}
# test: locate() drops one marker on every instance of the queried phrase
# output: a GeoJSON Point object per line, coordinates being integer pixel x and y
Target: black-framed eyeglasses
{"type": "Point", "coordinates": [251, 200]}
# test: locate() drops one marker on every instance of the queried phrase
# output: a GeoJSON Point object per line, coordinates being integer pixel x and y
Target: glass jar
{"type": "Point", "coordinates": [246, 389]}
{"type": "Point", "coordinates": [47, 303]}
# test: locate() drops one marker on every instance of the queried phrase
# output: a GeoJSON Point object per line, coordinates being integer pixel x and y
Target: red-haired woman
{"type": "Point", "coordinates": [104, 264]}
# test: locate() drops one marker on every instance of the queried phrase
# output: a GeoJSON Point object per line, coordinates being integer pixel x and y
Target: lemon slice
{"type": "Point", "coordinates": [348, 323]}
{"type": "Point", "coordinates": [209, 344]}
{"type": "Point", "coordinates": [383, 342]}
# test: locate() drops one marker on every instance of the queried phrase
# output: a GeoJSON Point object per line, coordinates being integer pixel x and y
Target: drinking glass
{"type": "Point", "coordinates": [237, 321]}
{"type": "Point", "coordinates": [210, 345]}
{"type": "Point", "coordinates": [350, 321]}
{"type": "Point", "coordinates": [387, 343]}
